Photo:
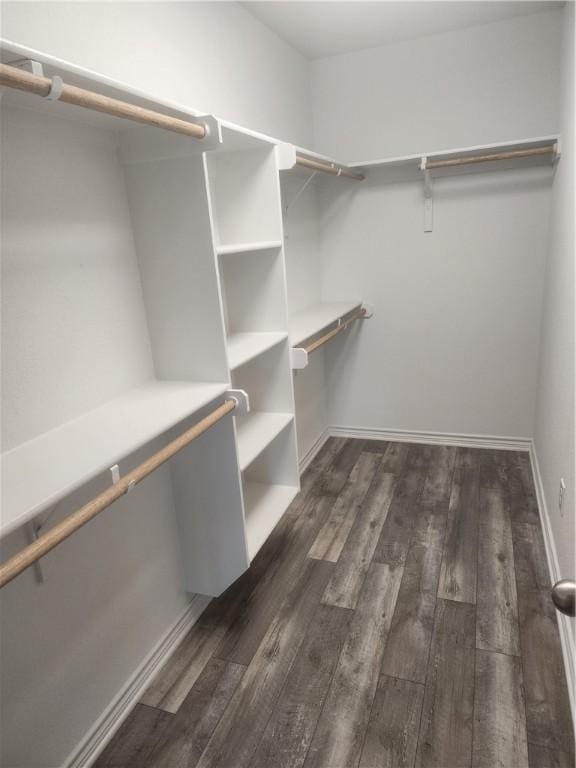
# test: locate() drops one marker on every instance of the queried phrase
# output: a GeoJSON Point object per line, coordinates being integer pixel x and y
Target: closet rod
{"type": "Point", "coordinates": [33, 552]}
{"type": "Point", "coordinates": [534, 151]}
{"type": "Point", "coordinates": [335, 170]}
{"type": "Point", "coordinates": [21, 80]}
{"type": "Point", "coordinates": [358, 315]}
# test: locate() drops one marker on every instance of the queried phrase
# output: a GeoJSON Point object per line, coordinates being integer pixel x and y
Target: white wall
{"type": "Point", "coordinates": [480, 85]}
{"type": "Point", "coordinates": [453, 343]}
{"type": "Point", "coordinates": [212, 56]}
{"type": "Point", "coordinates": [457, 310]}
{"type": "Point", "coordinates": [555, 431]}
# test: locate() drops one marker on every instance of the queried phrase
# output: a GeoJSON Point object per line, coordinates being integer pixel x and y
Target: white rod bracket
{"type": "Point", "coordinates": [34, 529]}
{"type": "Point", "coordinates": [298, 358]}
{"type": "Point", "coordinates": [29, 65]}
{"type": "Point", "coordinates": [428, 197]}
{"type": "Point", "coordinates": [115, 472]}
{"type": "Point", "coordinates": [242, 401]}
{"type": "Point", "coordinates": [369, 311]}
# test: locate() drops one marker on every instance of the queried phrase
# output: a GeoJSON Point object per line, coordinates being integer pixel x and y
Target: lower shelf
{"type": "Point", "coordinates": [256, 430]}
{"type": "Point", "coordinates": [264, 506]}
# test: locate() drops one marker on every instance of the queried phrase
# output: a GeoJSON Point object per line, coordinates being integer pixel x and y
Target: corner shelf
{"type": "Point", "coordinates": [256, 431]}
{"type": "Point", "coordinates": [310, 322]}
{"type": "Point", "coordinates": [243, 347]}
{"type": "Point", "coordinates": [262, 245]}
{"type": "Point", "coordinates": [264, 506]}
{"type": "Point", "coordinates": [42, 471]}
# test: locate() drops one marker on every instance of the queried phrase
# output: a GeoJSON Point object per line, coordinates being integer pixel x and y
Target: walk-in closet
{"type": "Point", "coordinates": [288, 387]}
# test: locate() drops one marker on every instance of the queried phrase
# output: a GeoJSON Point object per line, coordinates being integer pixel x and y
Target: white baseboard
{"type": "Point", "coordinates": [313, 450]}
{"type": "Point", "coordinates": [566, 636]}
{"type": "Point", "coordinates": [114, 715]}
{"type": "Point", "coordinates": [435, 438]}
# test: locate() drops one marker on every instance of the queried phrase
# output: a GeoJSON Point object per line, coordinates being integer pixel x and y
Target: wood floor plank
{"type": "Point", "coordinates": [438, 481]}
{"type": "Point", "coordinates": [540, 757]}
{"type": "Point", "coordinates": [499, 714]}
{"type": "Point", "coordinates": [395, 458]}
{"type": "Point", "coordinates": [333, 481]}
{"type": "Point", "coordinates": [339, 736]}
{"type": "Point", "coordinates": [344, 587]}
{"type": "Point", "coordinates": [184, 739]}
{"type": "Point", "coordinates": [459, 564]}
{"type": "Point", "coordinates": [253, 615]}
{"type": "Point", "coordinates": [132, 745]}
{"type": "Point", "coordinates": [392, 735]}
{"type": "Point", "coordinates": [396, 533]}
{"type": "Point", "coordinates": [376, 446]}
{"type": "Point", "coordinates": [528, 513]}
{"type": "Point", "coordinates": [408, 646]}
{"type": "Point", "coordinates": [241, 727]}
{"type": "Point", "coordinates": [172, 684]}
{"type": "Point", "coordinates": [322, 462]}
{"type": "Point", "coordinates": [332, 536]}
{"type": "Point", "coordinates": [530, 557]}
{"type": "Point", "coordinates": [447, 713]}
{"type": "Point", "coordinates": [293, 722]}
{"type": "Point", "coordinates": [497, 609]}
{"type": "Point", "coordinates": [548, 718]}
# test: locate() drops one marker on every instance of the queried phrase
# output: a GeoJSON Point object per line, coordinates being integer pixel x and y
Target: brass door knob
{"type": "Point", "coordinates": [563, 593]}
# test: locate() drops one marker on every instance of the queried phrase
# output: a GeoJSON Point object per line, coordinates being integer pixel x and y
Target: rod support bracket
{"type": "Point", "coordinates": [240, 396]}
{"type": "Point", "coordinates": [298, 358]}
{"type": "Point", "coordinates": [368, 311]}
{"type": "Point", "coordinates": [428, 196]}
{"type": "Point", "coordinates": [28, 65]}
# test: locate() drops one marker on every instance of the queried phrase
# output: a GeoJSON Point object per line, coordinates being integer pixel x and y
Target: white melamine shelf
{"type": "Point", "coordinates": [262, 245]}
{"type": "Point", "coordinates": [37, 474]}
{"type": "Point", "coordinates": [311, 321]}
{"type": "Point", "coordinates": [407, 167]}
{"type": "Point", "coordinates": [243, 347]}
{"type": "Point", "coordinates": [256, 430]}
{"type": "Point", "coordinates": [264, 506]}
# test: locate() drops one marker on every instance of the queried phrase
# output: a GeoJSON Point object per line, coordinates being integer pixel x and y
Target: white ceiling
{"type": "Point", "coordinates": [319, 29]}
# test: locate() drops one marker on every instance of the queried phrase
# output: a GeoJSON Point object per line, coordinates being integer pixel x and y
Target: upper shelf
{"type": "Point", "coordinates": [310, 322]}
{"type": "Point", "coordinates": [407, 167]}
{"type": "Point", "coordinates": [245, 346]}
{"type": "Point", "coordinates": [259, 245]}
{"type": "Point", "coordinates": [39, 473]}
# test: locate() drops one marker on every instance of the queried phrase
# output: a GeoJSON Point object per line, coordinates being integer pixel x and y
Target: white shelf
{"type": "Point", "coordinates": [407, 167]}
{"type": "Point", "coordinates": [256, 430]}
{"type": "Point", "coordinates": [262, 245]}
{"type": "Point", "coordinates": [243, 347]}
{"type": "Point", "coordinates": [264, 506]}
{"type": "Point", "coordinates": [39, 473]}
{"type": "Point", "coordinates": [311, 321]}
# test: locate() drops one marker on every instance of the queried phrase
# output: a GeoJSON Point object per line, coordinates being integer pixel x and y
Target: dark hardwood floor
{"type": "Point", "coordinates": [399, 615]}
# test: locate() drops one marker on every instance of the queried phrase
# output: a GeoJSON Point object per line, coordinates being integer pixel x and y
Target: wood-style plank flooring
{"type": "Point", "coordinates": [399, 615]}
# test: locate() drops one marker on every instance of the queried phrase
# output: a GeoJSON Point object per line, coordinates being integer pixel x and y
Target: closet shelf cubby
{"type": "Point", "coordinates": [243, 347]}
{"type": "Point", "coordinates": [261, 245]}
{"type": "Point", "coordinates": [39, 473]}
{"type": "Point", "coordinates": [256, 431]}
{"type": "Point", "coordinates": [311, 321]}
{"type": "Point", "coordinates": [264, 506]}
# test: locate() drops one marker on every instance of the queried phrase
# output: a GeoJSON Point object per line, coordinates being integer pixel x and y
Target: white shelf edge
{"type": "Point", "coordinates": [256, 343]}
{"type": "Point", "coordinates": [261, 245]}
{"type": "Point", "coordinates": [311, 321]}
{"type": "Point", "coordinates": [446, 153]}
{"type": "Point", "coordinates": [265, 505]}
{"type": "Point", "coordinates": [268, 425]}
{"type": "Point", "coordinates": [72, 444]}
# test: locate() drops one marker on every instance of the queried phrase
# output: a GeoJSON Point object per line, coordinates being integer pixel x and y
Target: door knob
{"type": "Point", "coordinates": [563, 593]}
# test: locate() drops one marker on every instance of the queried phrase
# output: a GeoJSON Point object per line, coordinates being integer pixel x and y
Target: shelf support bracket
{"type": "Point", "coordinates": [242, 401]}
{"type": "Point", "coordinates": [428, 197]}
{"type": "Point", "coordinates": [298, 358]}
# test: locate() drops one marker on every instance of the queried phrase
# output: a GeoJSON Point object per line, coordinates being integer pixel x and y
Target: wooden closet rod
{"type": "Point", "coordinates": [12, 77]}
{"type": "Point", "coordinates": [360, 313]}
{"type": "Point", "coordinates": [335, 170]}
{"type": "Point", "coordinates": [534, 151]}
{"type": "Point", "coordinates": [33, 552]}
